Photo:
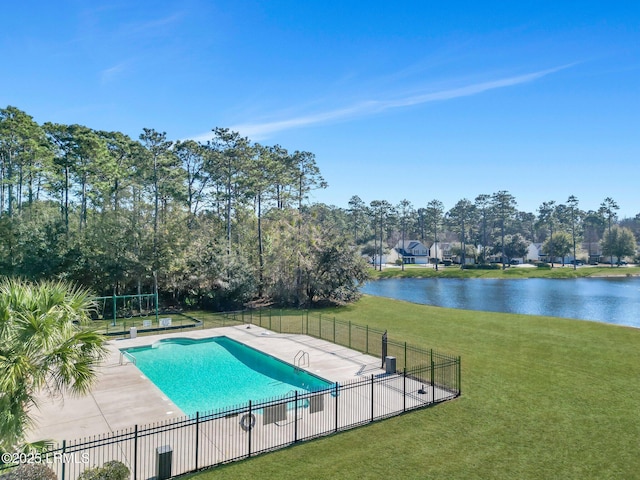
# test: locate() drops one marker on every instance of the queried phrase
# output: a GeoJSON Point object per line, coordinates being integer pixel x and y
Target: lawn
{"type": "Point", "coordinates": [454, 271]}
{"type": "Point", "coordinates": [542, 398]}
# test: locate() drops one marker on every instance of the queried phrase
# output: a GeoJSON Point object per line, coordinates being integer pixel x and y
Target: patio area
{"type": "Point", "coordinates": [127, 418]}
{"type": "Point", "coordinates": [123, 396]}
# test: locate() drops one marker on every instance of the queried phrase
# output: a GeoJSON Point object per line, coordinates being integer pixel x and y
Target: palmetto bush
{"type": "Point", "coordinates": [43, 349]}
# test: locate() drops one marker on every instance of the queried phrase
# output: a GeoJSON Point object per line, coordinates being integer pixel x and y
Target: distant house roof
{"type": "Point", "coordinates": [443, 246]}
{"type": "Point", "coordinates": [407, 247]}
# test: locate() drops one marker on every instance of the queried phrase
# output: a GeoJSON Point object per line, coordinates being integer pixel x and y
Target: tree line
{"type": "Point", "coordinates": [225, 222]}
{"type": "Point", "coordinates": [492, 227]}
{"type": "Point", "coordinates": [215, 224]}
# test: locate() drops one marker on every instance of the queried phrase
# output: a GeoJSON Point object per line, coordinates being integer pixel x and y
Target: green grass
{"type": "Point", "coordinates": [420, 271]}
{"type": "Point", "coordinates": [542, 398]}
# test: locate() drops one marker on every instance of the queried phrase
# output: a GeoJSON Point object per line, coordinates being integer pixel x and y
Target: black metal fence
{"type": "Point", "coordinates": [357, 337]}
{"type": "Point", "coordinates": [167, 321]}
{"type": "Point", "coordinates": [162, 450]}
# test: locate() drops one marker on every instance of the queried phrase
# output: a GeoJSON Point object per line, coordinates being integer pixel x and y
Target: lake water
{"type": "Point", "coordinates": [611, 300]}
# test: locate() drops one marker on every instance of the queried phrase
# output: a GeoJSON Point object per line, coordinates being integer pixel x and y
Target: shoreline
{"type": "Point", "coordinates": [509, 273]}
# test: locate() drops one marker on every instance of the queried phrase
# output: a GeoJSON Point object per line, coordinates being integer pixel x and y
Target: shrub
{"type": "Point", "coordinates": [543, 265]}
{"type": "Point", "coordinates": [482, 266]}
{"type": "Point", "coordinates": [30, 471]}
{"type": "Point", "coordinates": [112, 470]}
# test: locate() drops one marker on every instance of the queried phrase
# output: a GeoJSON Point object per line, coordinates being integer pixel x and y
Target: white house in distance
{"type": "Point", "coordinates": [413, 251]}
{"type": "Point", "coordinates": [389, 257]}
{"type": "Point", "coordinates": [416, 252]}
{"type": "Point", "coordinates": [533, 252]}
{"type": "Point", "coordinates": [442, 251]}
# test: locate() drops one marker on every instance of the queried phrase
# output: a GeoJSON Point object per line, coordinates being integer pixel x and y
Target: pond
{"type": "Point", "coordinates": [612, 300]}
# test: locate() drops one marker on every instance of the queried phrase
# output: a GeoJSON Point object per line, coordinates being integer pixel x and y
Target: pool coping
{"type": "Point", "coordinates": [124, 397]}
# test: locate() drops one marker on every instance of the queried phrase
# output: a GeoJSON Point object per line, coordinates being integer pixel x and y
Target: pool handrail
{"type": "Point", "coordinates": [129, 356]}
{"type": "Point", "coordinates": [299, 360]}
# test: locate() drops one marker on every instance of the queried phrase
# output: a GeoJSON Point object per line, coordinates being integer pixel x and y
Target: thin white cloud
{"type": "Point", "coordinates": [158, 25]}
{"type": "Point", "coordinates": [259, 131]}
{"type": "Point", "coordinates": [109, 74]}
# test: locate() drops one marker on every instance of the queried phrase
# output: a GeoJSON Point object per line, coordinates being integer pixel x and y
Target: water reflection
{"type": "Point", "coordinates": [611, 300]}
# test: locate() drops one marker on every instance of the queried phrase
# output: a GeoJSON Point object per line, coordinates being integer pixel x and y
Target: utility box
{"type": "Point", "coordinates": [133, 332]}
{"type": "Point", "coordinates": [390, 364]}
{"type": "Point", "coordinates": [164, 457]}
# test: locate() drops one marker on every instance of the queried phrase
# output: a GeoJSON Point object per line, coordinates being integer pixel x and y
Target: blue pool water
{"type": "Point", "coordinates": [218, 372]}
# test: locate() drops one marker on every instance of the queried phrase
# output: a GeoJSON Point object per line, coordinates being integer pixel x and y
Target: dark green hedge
{"type": "Point", "coordinates": [482, 266]}
{"type": "Point", "coordinates": [112, 470]}
{"type": "Point", "coordinates": [543, 265]}
{"type": "Point", "coordinates": [30, 471]}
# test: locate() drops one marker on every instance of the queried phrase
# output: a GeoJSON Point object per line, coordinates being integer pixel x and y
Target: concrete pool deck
{"type": "Point", "coordinates": [124, 397]}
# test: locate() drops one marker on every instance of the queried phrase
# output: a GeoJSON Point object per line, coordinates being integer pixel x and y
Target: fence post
{"type": "Point", "coordinates": [336, 396]}
{"type": "Point", "coordinates": [433, 383]}
{"type": "Point", "coordinates": [384, 347]}
{"type": "Point", "coordinates": [295, 419]}
{"type": "Point", "coordinates": [404, 390]}
{"type": "Point", "coordinates": [349, 333]}
{"type": "Point", "coordinates": [334, 329]}
{"type": "Point", "coordinates": [269, 319]}
{"type": "Point", "coordinates": [197, 431]}
{"type": "Point", "coordinates": [249, 445]}
{"type": "Point", "coordinates": [366, 348]}
{"type": "Point", "coordinates": [431, 361]}
{"type": "Point", "coordinates": [64, 447]}
{"type": "Point", "coordinates": [307, 332]}
{"type": "Point", "coordinates": [372, 397]}
{"type": "Point", "coordinates": [459, 375]}
{"type": "Point", "coordinates": [135, 453]}
{"type": "Point", "coordinates": [405, 356]}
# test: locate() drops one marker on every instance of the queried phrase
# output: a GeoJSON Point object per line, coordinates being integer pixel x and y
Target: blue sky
{"type": "Point", "coordinates": [414, 99]}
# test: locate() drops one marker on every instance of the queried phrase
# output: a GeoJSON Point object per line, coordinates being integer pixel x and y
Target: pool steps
{"type": "Point", "coordinates": [301, 359]}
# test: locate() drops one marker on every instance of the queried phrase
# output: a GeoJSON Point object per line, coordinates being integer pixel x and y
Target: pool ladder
{"type": "Point", "coordinates": [128, 356]}
{"type": "Point", "coordinates": [301, 359]}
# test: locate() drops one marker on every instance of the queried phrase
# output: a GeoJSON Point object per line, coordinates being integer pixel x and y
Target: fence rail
{"type": "Point", "coordinates": [422, 378]}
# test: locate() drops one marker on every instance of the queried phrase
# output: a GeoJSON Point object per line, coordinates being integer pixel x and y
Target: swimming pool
{"type": "Point", "coordinates": [211, 373]}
